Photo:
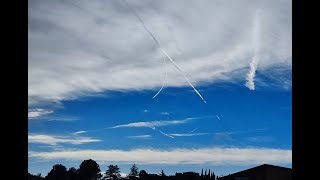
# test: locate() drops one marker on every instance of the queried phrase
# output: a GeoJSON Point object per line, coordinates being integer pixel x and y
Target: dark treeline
{"type": "Point", "coordinates": [90, 170]}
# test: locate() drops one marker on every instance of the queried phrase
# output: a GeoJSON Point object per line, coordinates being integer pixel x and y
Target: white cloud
{"type": "Point", "coordinates": [214, 155]}
{"type": "Point", "coordinates": [62, 118]}
{"type": "Point", "coordinates": [140, 137]}
{"type": "Point", "coordinates": [165, 113]}
{"type": "Point", "coordinates": [261, 139]}
{"type": "Point", "coordinates": [251, 74]}
{"type": "Point", "coordinates": [77, 49]}
{"type": "Point", "coordinates": [123, 175]}
{"type": "Point", "coordinates": [146, 110]}
{"type": "Point", "coordinates": [256, 56]}
{"type": "Point", "coordinates": [79, 132]}
{"type": "Point", "coordinates": [54, 140]}
{"type": "Point", "coordinates": [151, 124]}
{"type": "Point", "coordinates": [187, 135]}
{"type": "Point", "coordinates": [37, 113]}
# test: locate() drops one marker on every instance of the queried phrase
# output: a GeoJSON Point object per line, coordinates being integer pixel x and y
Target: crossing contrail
{"type": "Point", "coordinates": [164, 52]}
{"type": "Point", "coordinates": [218, 117]}
{"type": "Point", "coordinates": [166, 134]}
{"type": "Point", "coordinates": [165, 79]}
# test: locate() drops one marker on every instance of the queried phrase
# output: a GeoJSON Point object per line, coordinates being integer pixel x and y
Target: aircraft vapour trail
{"type": "Point", "coordinates": [165, 79]}
{"type": "Point", "coordinates": [185, 77]}
{"type": "Point", "coordinates": [193, 130]}
{"type": "Point", "coordinates": [166, 134]}
{"type": "Point", "coordinates": [218, 117]}
{"type": "Point", "coordinates": [158, 44]}
{"type": "Point", "coordinates": [256, 45]}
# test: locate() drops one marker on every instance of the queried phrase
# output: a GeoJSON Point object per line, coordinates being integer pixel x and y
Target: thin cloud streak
{"type": "Point", "coordinates": [214, 155]}
{"type": "Point", "coordinates": [147, 136]}
{"type": "Point", "coordinates": [151, 124]}
{"type": "Point", "coordinates": [188, 135]}
{"type": "Point", "coordinates": [166, 134]}
{"type": "Point", "coordinates": [79, 132]}
{"type": "Point", "coordinates": [37, 113]}
{"type": "Point", "coordinates": [54, 140]}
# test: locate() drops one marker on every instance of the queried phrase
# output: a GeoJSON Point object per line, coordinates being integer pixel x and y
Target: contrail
{"type": "Point", "coordinates": [193, 130]}
{"type": "Point", "coordinates": [256, 45]}
{"type": "Point", "coordinates": [158, 44]}
{"type": "Point", "coordinates": [166, 134]}
{"type": "Point", "coordinates": [217, 117]}
{"type": "Point", "coordinates": [165, 79]}
{"type": "Point", "coordinates": [185, 77]}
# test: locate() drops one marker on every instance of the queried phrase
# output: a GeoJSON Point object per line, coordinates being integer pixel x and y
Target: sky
{"type": "Point", "coordinates": [168, 85]}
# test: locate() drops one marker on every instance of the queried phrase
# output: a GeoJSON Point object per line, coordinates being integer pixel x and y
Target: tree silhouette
{"type": "Point", "coordinates": [213, 176]}
{"type": "Point", "coordinates": [89, 170]}
{"type": "Point", "coordinates": [134, 171]}
{"type": "Point", "coordinates": [162, 173]}
{"type": "Point", "coordinates": [35, 177]}
{"type": "Point", "coordinates": [72, 174]}
{"type": "Point", "coordinates": [142, 174]}
{"type": "Point", "coordinates": [58, 171]}
{"type": "Point", "coordinates": [201, 173]}
{"type": "Point", "coordinates": [113, 172]}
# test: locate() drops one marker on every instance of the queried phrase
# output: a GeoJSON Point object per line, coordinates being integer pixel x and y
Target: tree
{"type": "Point", "coordinates": [89, 170]}
{"type": "Point", "coordinates": [134, 171]}
{"type": "Point", "coordinates": [58, 171]}
{"type": "Point", "coordinates": [72, 174]}
{"type": "Point", "coordinates": [209, 174]}
{"type": "Point", "coordinates": [113, 172]}
{"type": "Point", "coordinates": [162, 173]}
{"type": "Point", "coordinates": [35, 177]}
{"type": "Point", "coordinates": [213, 176]}
{"type": "Point", "coordinates": [142, 174]}
{"type": "Point", "coordinates": [201, 173]}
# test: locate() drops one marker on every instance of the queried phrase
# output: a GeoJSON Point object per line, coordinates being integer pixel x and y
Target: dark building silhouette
{"type": "Point", "coordinates": [262, 172]}
{"type": "Point", "coordinates": [186, 176]}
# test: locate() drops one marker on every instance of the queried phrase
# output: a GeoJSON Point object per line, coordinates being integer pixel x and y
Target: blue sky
{"type": "Point", "coordinates": [93, 70]}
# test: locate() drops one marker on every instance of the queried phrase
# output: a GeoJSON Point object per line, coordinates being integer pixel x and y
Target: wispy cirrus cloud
{"type": "Point", "coordinates": [79, 132]}
{"type": "Point", "coordinates": [146, 136]}
{"type": "Point", "coordinates": [62, 118]}
{"type": "Point", "coordinates": [151, 124]}
{"type": "Point", "coordinates": [190, 134]}
{"type": "Point", "coordinates": [92, 37]}
{"type": "Point", "coordinates": [37, 113]}
{"type": "Point", "coordinates": [165, 113]}
{"type": "Point", "coordinates": [261, 139]}
{"type": "Point", "coordinates": [46, 114]}
{"type": "Point", "coordinates": [54, 140]}
{"type": "Point", "coordinates": [213, 155]}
